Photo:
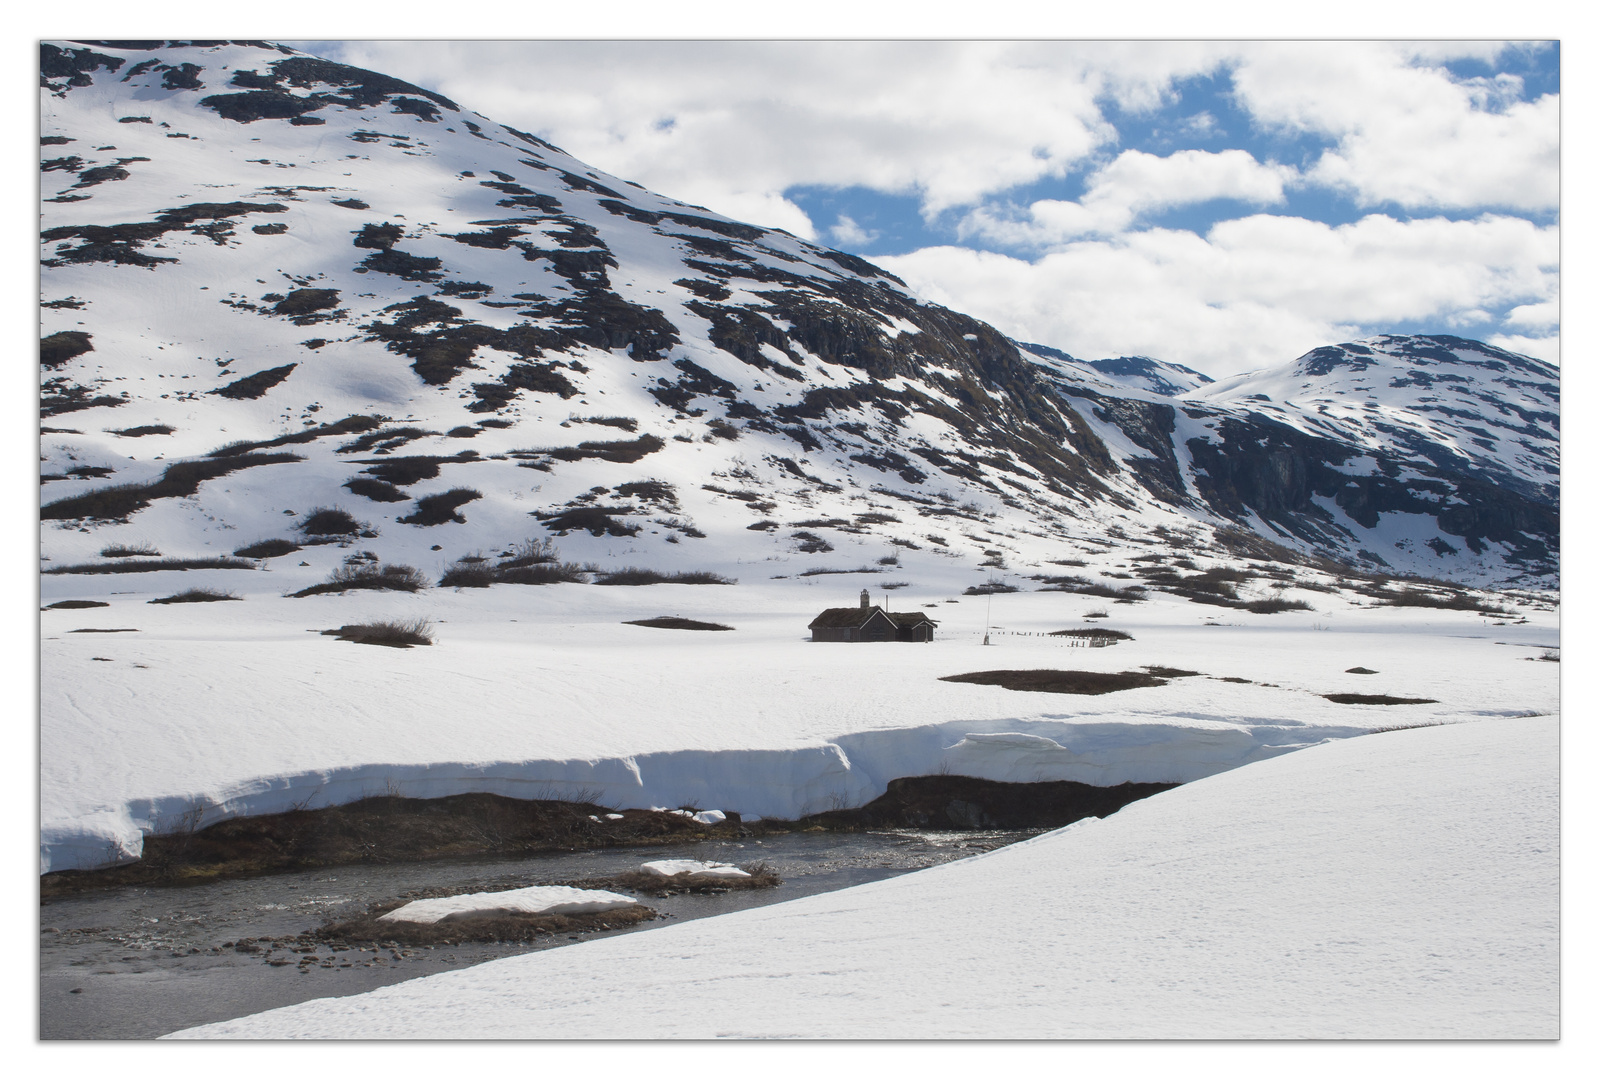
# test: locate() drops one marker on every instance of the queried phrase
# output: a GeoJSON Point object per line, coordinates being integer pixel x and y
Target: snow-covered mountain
{"type": "Point", "coordinates": [274, 284]}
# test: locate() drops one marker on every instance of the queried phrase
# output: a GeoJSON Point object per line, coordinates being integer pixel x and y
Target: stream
{"type": "Point", "coordinates": [139, 962]}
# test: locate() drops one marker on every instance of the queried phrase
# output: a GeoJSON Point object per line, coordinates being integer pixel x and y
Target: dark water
{"type": "Point", "coordinates": [141, 962]}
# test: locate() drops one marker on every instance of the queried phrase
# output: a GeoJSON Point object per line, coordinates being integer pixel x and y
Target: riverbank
{"type": "Point", "coordinates": [392, 829]}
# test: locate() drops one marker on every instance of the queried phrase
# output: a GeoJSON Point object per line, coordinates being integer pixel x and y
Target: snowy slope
{"type": "Point", "coordinates": [1397, 886]}
{"type": "Point", "coordinates": [299, 285]}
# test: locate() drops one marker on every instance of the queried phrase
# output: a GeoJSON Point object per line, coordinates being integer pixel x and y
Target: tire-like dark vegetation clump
{"type": "Point", "coordinates": [71, 605]}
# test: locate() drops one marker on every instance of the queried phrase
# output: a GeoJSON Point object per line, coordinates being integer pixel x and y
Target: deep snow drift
{"type": "Point", "coordinates": [1401, 885]}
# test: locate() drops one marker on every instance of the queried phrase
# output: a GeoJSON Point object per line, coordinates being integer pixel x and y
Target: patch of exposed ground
{"type": "Point", "coordinates": [674, 622]}
{"type": "Point", "coordinates": [1049, 681]}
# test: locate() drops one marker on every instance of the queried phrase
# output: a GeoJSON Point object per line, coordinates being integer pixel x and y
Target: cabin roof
{"type": "Point", "coordinates": [838, 618]}
{"type": "Point", "coordinates": [842, 617]}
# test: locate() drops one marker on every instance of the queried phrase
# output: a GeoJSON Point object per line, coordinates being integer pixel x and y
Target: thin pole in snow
{"type": "Point", "coordinates": [987, 608]}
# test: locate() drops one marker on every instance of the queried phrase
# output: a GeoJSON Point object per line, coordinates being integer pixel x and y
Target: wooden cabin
{"type": "Point", "coordinates": [869, 622]}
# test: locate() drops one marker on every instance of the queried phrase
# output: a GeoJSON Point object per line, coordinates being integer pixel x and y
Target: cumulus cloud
{"type": "Point", "coordinates": [730, 124]}
{"type": "Point", "coordinates": [1406, 130]}
{"type": "Point", "coordinates": [845, 231]}
{"type": "Point", "coordinates": [1134, 184]}
{"type": "Point", "coordinates": [1547, 348]}
{"type": "Point", "coordinates": [1251, 293]}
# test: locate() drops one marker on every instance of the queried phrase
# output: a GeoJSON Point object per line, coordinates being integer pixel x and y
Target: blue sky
{"type": "Point", "coordinates": [1222, 205]}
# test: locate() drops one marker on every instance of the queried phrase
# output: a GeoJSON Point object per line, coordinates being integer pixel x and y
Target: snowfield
{"type": "Point", "coordinates": [1395, 886]}
{"type": "Point", "coordinates": [219, 709]}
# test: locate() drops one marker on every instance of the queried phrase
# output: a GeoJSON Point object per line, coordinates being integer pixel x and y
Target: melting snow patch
{"type": "Point", "coordinates": [673, 867]}
{"type": "Point", "coordinates": [535, 900]}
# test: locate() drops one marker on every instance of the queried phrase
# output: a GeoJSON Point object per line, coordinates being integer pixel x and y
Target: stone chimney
{"type": "Point", "coordinates": [866, 601]}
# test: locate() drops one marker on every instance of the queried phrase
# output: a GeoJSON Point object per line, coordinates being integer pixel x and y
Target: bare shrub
{"type": "Point", "coordinates": [391, 632]}
{"type": "Point", "coordinates": [330, 521]}
{"type": "Point", "coordinates": [637, 575]}
{"type": "Point", "coordinates": [267, 549]}
{"type": "Point", "coordinates": [119, 551]}
{"type": "Point", "coordinates": [368, 576]}
{"type": "Point", "coordinates": [139, 566]}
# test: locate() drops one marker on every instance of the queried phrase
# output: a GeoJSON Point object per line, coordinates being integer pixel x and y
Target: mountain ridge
{"type": "Point", "coordinates": [448, 279]}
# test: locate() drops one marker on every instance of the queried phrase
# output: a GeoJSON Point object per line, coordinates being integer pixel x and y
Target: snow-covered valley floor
{"type": "Point", "coordinates": [243, 707]}
{"type": "Point", "coordinates": [1396, 886]}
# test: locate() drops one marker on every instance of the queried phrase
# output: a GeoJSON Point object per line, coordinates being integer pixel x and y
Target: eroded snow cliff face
{"type": "Point", "coordinates": [272, 283]}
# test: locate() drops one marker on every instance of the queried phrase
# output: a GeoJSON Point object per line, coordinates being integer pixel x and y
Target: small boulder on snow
{"type": "Point", "coordinates": [534, 900]}
{"type": "Point", "coordinates": [674, 867]}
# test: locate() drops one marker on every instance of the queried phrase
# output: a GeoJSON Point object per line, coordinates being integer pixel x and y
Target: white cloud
{"type": "Point", "coordinates": [1406, 130]}
{"type": "Point", "coordinates": [1251, 293]}
{"type": "Point", "coordinates": [950, 122]}
{"type": "Point", "coordinates": [1543, 314]}
{"type": "Point", "coordinates": [1547, 349]}
{"type": "Point", "coordinates": [1134, 184]}
{"type": "Point", "coordinates": [845, 231]}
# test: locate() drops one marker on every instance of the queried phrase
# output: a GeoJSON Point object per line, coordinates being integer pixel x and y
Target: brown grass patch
{"type": "Point", "coordinates": [1048, 681]}
{"type": "Point", "coordinates": [1163, 672]}
{"type": "Point", "coordinates": [197, 596]}
{"type": "Point", "coordinates": [1378, 699]}
{"type": "Point", "coordinates": [674, 622]}
{"type": "Point", "coordinates": [70, 605]}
